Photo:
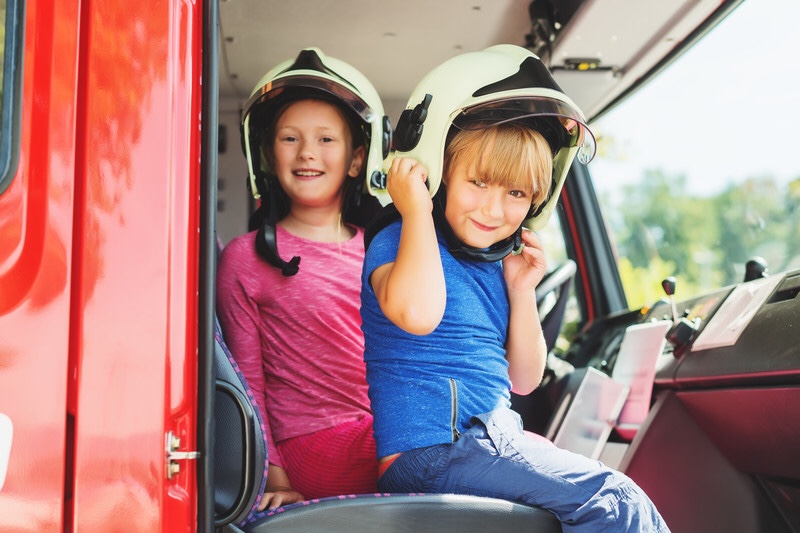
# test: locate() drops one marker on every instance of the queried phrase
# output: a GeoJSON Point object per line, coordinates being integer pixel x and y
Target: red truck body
{"type": "Point", "coordinates": [99, 240]}
{"type": "Point", "coordinates": [109, 385]}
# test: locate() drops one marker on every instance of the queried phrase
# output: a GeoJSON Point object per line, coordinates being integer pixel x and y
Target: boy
{"type": "Point", "coordinates": [448, 302]}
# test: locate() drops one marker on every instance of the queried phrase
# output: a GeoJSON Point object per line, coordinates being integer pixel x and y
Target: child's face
{"type": "Point", "coordinates": [479, 213]}
{"type": "Point", "coordinates": [313, 153]}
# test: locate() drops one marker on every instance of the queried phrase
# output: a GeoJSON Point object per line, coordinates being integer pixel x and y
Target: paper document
{"type": "Point", "coordinates": [735, 313]}
{"type": "Point", "coordinates": [635, 367]}
{"type": "Point", "coordinates": [591, 414]}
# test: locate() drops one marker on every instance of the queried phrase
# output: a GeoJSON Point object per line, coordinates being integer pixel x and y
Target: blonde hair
{"type": "Point", "coordinates": [511, 155]}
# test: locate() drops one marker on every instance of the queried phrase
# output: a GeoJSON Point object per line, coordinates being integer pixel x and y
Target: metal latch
{"type": "Point", "coordinates": [173, 455]}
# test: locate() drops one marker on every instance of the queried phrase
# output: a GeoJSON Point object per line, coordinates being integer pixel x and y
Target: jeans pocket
{"type": "Point", "coordinates": [418, 470]}
{"type": "Point", "coordinates": [503, 426]}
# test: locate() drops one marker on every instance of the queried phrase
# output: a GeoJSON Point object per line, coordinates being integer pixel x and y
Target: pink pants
{"type": "Point", "coordinates": [331, 462]}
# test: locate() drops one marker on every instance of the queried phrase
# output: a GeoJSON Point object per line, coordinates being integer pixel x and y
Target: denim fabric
{"type": "Point", "coordinates": [495, 458]}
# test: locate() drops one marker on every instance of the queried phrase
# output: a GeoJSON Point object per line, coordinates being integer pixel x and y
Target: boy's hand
{"type": "Point", "coordinates": [524, 271]}
{"type": "Point", "coordinates": [405, 182]}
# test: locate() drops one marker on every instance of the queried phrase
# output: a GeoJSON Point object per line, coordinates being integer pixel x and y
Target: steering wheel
{"type": "Point", "coordinates": [551, 299]}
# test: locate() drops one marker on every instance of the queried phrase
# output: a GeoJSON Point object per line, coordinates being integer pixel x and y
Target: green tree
{"type": "Point", "coordinates": [661, 229]}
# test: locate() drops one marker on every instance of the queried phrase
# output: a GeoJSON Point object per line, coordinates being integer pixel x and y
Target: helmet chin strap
{"type": "Point", "coordinates": [267, 246]}
{"type": "Point", "coordinates": [458, 249]}
{"type": "Point", "coordinates": [267, 239]}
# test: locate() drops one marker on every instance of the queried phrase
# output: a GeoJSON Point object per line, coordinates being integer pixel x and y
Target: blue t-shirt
{"type": "Point", "coordinates": [421, 388]}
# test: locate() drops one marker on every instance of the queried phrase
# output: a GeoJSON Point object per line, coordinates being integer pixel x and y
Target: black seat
{"type": "Point", "coordinates": [240, 452]}
{"type": "Point", "coordinates": [239, 443]}
{"type": "Point", "coordinates": [411, 513]}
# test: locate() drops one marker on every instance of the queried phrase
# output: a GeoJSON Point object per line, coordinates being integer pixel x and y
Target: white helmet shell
{"type": "Point", "coordinates": [314, 73]}
{"type": "Point", "coordinates": [499, 84]}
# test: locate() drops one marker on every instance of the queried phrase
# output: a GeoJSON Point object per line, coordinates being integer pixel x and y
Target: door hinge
{"type": "Point", "coordinates": [173, 455]}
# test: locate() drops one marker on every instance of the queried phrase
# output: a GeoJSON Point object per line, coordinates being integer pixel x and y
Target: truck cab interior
{"type": "Point", "coordinates": [718, 445]}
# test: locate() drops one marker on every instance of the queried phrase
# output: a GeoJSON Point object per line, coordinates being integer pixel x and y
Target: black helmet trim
{"type": "Point", "coordinates": [531, 73]}
{"type": "Point", "coordinates": [309, 60]}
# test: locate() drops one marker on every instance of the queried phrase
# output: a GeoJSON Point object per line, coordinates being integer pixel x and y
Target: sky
{"type": "Point", "coordinates": [727, 110]}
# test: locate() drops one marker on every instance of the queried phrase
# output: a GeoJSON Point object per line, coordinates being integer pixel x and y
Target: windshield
{"type": "Point", "coordinates": [696, 173]}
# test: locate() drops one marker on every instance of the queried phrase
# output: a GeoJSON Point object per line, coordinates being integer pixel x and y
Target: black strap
{"type": "Point", "coordinates": [456, 248]}
{"type": "Point", "coordinates": [267, 246]}
{"type": "Point", "coordinates": [267, 239]}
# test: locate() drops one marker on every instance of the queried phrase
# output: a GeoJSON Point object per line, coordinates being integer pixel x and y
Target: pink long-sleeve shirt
{"type": "Point", "coordinates": [298, 339]}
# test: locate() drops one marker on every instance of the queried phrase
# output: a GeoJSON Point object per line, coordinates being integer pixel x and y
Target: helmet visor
{"type": "Point", "coordinates": [576, 133]}
{"type": "Point", "coordinates": [276, 88]}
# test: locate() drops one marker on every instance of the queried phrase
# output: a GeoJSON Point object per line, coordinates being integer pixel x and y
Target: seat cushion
{"type": "Point", "coordinates": [413, 513]}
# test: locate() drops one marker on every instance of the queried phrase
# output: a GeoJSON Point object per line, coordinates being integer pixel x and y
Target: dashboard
{"type": "Point", "coordinates": [748, 333]}
{"type": "Point", "coordinates": [721, 439]}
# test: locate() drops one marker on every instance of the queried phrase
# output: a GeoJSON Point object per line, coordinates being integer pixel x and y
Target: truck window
{"type": "Point", "coordinates": [11, 35]}
{"type": "Point", "coordinates": [696, 173]}
{"type": "Point", "coordinates": [554, 242]}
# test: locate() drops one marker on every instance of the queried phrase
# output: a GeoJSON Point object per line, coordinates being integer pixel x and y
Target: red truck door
{"type": "Point", "coordinates": [99, 270]}
{"type": "Point", "coordinates": [36, 253]}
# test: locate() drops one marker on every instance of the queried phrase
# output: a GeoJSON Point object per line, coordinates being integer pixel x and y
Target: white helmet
{"type": "Point", "coordinates": [311, 75]}
{"type": "Point", "coordinates": [502, 83]}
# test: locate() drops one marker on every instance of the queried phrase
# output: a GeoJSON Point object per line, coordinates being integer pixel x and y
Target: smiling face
{"type": "Point", "coordinates": [493, 176]}
{"type": "Point", "coordinates": [313, 153]}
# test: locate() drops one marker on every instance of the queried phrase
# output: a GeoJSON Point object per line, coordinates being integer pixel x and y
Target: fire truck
{"type": "Point", "coordinates": [121, 176]}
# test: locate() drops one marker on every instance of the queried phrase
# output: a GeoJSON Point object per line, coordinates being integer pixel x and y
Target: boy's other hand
{"type": "Point", "coordinates": [406, 185]}
{"type": "Point", "coordinates": [524, 271]}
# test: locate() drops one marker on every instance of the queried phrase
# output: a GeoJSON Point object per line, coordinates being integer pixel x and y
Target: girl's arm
{"type": "Point", "coordinates": [526, 351]}
{"type": "Point", "coordinates": [238, 316]}
{"type": "Point", "coordinates": [411, 290]}
{"type": "Point", "coordinates": [279, 490]}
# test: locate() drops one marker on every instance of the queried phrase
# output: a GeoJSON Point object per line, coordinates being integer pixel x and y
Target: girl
{"type": "Point", "coordinates": [312, 129]}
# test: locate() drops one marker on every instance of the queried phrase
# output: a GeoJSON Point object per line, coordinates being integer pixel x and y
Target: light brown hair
{"type": "Point", "coordinates": [511, 155]}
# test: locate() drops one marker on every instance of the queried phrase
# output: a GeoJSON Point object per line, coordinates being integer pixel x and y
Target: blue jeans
{"type": "Point", "coordinates": [495, 458]}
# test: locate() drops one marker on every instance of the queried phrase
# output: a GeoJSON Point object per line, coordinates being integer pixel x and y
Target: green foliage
{"type": "Point", "coordinates": [661, 230]}
{"type": "Point", "coordinates": [643, 284]}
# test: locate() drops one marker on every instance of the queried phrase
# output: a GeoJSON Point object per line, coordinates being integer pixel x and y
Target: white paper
{"type": "Point", "coordinates": [635, 367]}
{"type": "Point", "coordinates": [591, 414]}
{"type": "Point", "coordinates": [735, 313]}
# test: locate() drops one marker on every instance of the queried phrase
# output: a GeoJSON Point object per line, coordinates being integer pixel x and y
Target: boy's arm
{"type": "Point", "coordinates": [526, 351]}
{"type": "Point", "coordinates": [411, 290]}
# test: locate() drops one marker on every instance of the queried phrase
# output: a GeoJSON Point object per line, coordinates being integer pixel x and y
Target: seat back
{"type": "Point", "coordinates": [240, 451]}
